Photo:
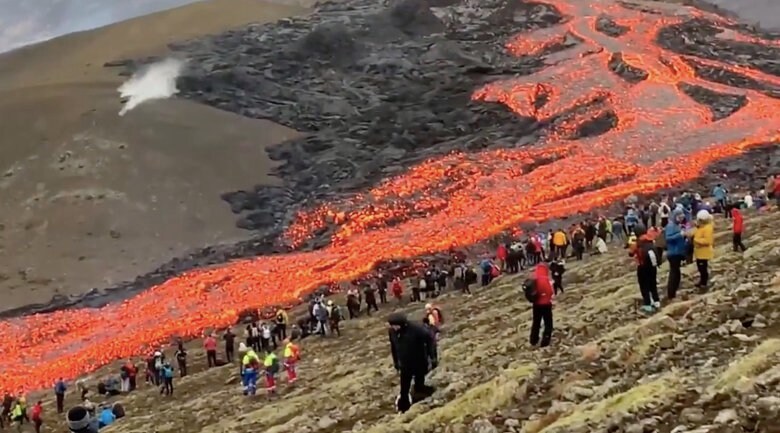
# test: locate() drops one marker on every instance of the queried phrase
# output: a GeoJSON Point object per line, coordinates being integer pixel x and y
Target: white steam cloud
{"type": "Point", "coordinates": [157, 81]}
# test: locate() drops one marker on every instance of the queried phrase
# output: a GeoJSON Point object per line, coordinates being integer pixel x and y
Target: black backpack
{"type": "Point", "coordinates": [529, 290]}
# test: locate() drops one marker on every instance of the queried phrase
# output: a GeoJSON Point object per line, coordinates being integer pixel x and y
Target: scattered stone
{"type": "Point", "coordinates": [769, 404]}
{"type": "Point", "coordinates": [483, 426]}
{"type": "Point", "coordinates": [727, 416]}
{"type": "Point", "coordinates": [693, 415]}
{"type": "Point", "coordinates": [326, 422]}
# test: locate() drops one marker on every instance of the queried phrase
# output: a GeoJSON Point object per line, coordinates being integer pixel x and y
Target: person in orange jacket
{"type": "Point", "coordinates": [738, 226]}
{"type": "Point", "coordinates": [292, 354]}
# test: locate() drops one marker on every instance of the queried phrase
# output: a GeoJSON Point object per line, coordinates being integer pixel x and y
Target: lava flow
{"type": "Point", "coordinates": [662, 138]}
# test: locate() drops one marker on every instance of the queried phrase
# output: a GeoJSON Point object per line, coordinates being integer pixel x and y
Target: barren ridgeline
{"type": "Point", "coordinates": [604, 135]}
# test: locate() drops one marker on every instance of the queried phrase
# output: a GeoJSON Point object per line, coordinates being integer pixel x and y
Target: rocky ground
{"type": "Point", "coordinates": [706, 363]}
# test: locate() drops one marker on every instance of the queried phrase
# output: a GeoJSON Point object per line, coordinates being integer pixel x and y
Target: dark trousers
{"type": "Point", "coordinates": [542, 313]}
{"type": "Point", "coordinates": [60, 403]}
{"type": "Point", "coordinates": [281, 330]}
{"type": "Point", "coordinates": [383, 296]}
{"type": "Point", "coordinates": [558, 283]}
{"type": "Point", "coordinates": [132, 382]}
{"type": "Point", "coordinates": [648, 287]}
{"type": "Point", "coordinates": [229, 351]}
{"type": "Point", "coordinates": [167, 387]}
{"type": "Point", "coordinates": [211, 358]}
{"type": "Point", "coordinates": [659, 255]}
{"type": "Point", "coordinates": [704, 272]}
{"type": "Point", "coordinates": [664, 221]}
{"type": "Point", "coordinates": [653, 219]}
{"type": "Point", "coordinates": [673, 283]}
{"type": "Point", "coordinates": [37, 424]}
{"type": "Point", "coordinates": [485, 278]}
{"type": "Point", "coordinates": [420, 391]}
{"type": "Point", "coordinates": [183, 365]}
{"type": "Point", "coordinates": [370, 305]}
{"type": "Point", "coordinates": [737, 241]}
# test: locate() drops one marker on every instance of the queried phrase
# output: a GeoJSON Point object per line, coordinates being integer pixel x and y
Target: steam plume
{"type": "Point", "coordinates": [156, 81]}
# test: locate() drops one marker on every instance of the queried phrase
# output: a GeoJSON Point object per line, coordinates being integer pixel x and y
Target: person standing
{"type": "Point", "coordinates": [292, 354]}
{"type": "Point", "coordinates": [381, 286]}
{"type": "Point", "coordinates": [370, 299]}
{"type": "Point", "coordinates": [738, 228]}
{"type": "Point", "coordinates": [167, 376]}
{"type": "Point", "coordinates": [675, 251]}
{"type": "Point", "coordinates": [541, 294]}
{"type": "Point", "coordinates": [281, 324]}
{"type": "Point", "coordinates": [703, 247]}
{"type": "Point", "coordinates": [210, 344]}
{"type": "Point", "coordinates": [181, 359]}
{"type": "Point", "coordinates": [230, 344]}
{"type": "Point", "coordinates": [59, 393]}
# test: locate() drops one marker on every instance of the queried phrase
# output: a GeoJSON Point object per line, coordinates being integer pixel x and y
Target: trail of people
{"type": "Point", "coordinates": [652, 147]}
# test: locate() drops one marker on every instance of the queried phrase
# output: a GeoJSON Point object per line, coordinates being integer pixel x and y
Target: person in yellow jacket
{"type": "Point", "coordinates": [560, 244]}
{"type": "Point", "coordinates": [703, 246]}
{"type": "Point", "coordinates": [18, 413]}
{"type": "Point", "coordinates": [291, 356]}
{"type": "Point", "coordinates": [271, 365]}
{"type": "Point", "coordinates": [282, 320]}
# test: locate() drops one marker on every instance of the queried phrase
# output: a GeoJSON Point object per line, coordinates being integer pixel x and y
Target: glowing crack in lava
{"type": "Point", "coordinates": [662, 138]}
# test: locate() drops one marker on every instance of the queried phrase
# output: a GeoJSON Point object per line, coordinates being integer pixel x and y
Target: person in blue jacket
{"type": "Point", "coordinates": [106, 417]}
{"type": "Point", "coordinates": [675, 251]}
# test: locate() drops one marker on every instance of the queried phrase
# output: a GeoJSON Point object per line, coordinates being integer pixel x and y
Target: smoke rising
{"type": "Point", "coordinates": [156, 81]}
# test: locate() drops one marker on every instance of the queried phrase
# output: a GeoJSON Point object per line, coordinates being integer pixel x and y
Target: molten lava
{"type": "Point", "coordinates": [662, 138]}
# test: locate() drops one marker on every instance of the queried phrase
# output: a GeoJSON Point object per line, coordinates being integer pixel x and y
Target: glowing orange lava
{"type": "Point", "coordinates": [662, 138]}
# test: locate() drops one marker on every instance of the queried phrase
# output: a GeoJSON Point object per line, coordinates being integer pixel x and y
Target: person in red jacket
{"type": "Point", "coordinates": [397, 289]}
{"type": "Point", "coordinates": [35, 416]}
{"type": "Point", "coordinates": [542, 306]}
{"type": "Point", "coordinates": [501, 254]}
{"type": "Point", "coordinates": [738, 227]}
{"type": "Point", "coordinates": [210, 344]}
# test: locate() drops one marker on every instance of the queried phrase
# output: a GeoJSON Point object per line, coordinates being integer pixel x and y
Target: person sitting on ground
{"type": "Point", "coordinates": [106, 417]}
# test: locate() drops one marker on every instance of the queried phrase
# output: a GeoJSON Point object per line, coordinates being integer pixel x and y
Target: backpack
{"type": "Point", "coordinates": [335, 313]}
{"type": "Point", "coordinates": [274, 368]}
{"type": "Point", "coordinates": [529, 290]}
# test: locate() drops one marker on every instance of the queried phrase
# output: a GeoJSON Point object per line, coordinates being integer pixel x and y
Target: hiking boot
{"type": "Point", "coordinates": [656, 305]}
{"type": "Point", "coordinates": [648, 309]}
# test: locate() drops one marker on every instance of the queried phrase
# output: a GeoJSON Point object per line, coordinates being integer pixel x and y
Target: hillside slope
{"type": "Point", "coordinates": [75, 177]}
{"type": "Point", "coordinates": [706, 363]}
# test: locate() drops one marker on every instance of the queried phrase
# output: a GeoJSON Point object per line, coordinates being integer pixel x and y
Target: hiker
{"type": "Point", "coordinates": [600, 246]}
{"type": "Point", "coordinates": [486, 265]}
{"type": "Point", "coordinates": [397, 289]}
{"type": "Point", "coordinates": [441, 280]}
{"type": "Point", "coordinates": [334, 318]}
{"type": "Point", "coordinates": [434, 316]}
{"type": "Point", "coordinates": [167, 376]}
{"type": "Point", "coordinates": [512, 259]}
{"type": "Point", "coordinates": [590, 234]}
{"type": "Point", "coordinates": [292, 354]}
{"type": "Point", "coordinates": [602, 228]}
{"type": "Point", "coordinates": [411, 347]}
{"type": "Point", "coordinates": [618, 230]}
{"type": "Point", "coordinates": [643, 252]}
{"type": "Point", "coordinates": [321, 314]}
{"type": "Point", "coordinates": [271, 365]}
{"type": "Point", "coordinates": [720, 193]}
{"type": "Point", "coordinates": [266, 336]}
{"type": "Point", "coordinates": [106, 417]}
{"type": "Point", "coordinates": [675, 251]}
{"type": "Point", "coordinates": [250, 366]}
{"type": "Point", "coordinates": [353, 304]}
{"type": "Point", "coordinates": [539, 292]}
{"type": "Point", "coordinates": [151, 376]}
{"type": "Point", "coordinates": [557, 269]}
{"type": "Point", "coordinates": [578, 241]}
{"type": "Point", "coordinates": [501, 255]}
{"type": "Point", "coordinates": [36, 415]}
{"type": "Point", "coordinates": [632, 219]}
{"type": "Point", "coordinates": [18, 414]}
{"type": "Point", "coordinates": [433, 355]}
{"type": "Point", "coordinates": [181, 359]}
{"type": "Point", "coordinates": [663, 212]}
{"type": "Point", "coordinates": [560, 244]}
{"type": "Point", "coordinates": [210, 345]}
{"type": "Point", "coordinates": [703, 246]}
{"type": "Point", "coordinates": [381, 286]}
{"type": "Point", "coordinates": [653, 209]}
{"type": "Point", "coordinates": [737, 227]}
{"type": "Point", "coordinates": [370, 293]}
{"type": "Point", "coordinates": [230, 344]}
{"type": "Point", "coordinates": [59, 393]}
{"type": "Point", "coordinates": [282, 319]}
{"type": "Point", "coordinates": [253, 336]}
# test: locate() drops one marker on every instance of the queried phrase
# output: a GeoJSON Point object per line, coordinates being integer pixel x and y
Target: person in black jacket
{"type": "Point", "coordinates": [413, 350]}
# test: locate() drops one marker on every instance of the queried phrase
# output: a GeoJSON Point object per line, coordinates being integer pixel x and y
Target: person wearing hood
{"type": "Point", "coordinates": [646, 269]}
{"type": "Point", "coordinates": [334, 318]}
{"type": "Point", "coordinates": [738, 227]}
{"type": "Point", "coordinates": [720, 193]}
{"type": "Point", "coordinates": [370, 293]}
{"type": "Point", "coordinates": [282, 320]}
{"type": "Point", "coordinates": [703, 246]}
{"type": "Point", "coordinates": [557, 269]}
{"type": "Point", "coordinates": [412, 348]}
{"type": "Point", "coordinates": [539, 292]}
{"type": "Point", "coordinates": [250, 366]}
{"type": "Point", "coordinates": [292, 354]}
{"type": "Point", "coordinates": [167, 375]}
{"type": "Point", "coordinates": [675, 251]}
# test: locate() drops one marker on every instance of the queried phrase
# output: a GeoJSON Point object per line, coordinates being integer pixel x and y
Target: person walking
{"type": "Point", "coordinates": [230, 344]}
{"type": "Point", "coordinates": [412, 348]}
{"type": "Point", "coordinates": [539, 292]}
{"type": "Point", "coordinates": [738, 227]}
{"type": "Point", "coordinates": [181, 359]}
{"type": "Point", "coordinates": [37, 416]}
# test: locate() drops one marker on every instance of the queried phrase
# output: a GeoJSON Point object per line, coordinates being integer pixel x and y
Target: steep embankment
{"type": "Point", "coordinates": [706, 363]}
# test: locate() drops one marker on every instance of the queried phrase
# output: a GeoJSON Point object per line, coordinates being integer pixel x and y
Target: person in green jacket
{"type": "Point", "coordinates": [271, 364]}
